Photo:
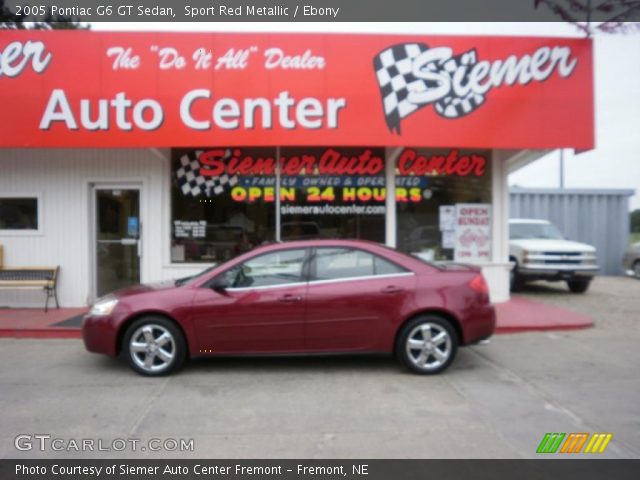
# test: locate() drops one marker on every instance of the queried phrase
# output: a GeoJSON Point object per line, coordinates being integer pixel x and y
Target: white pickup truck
{"type": "Point", "coordinates": [540, 252]}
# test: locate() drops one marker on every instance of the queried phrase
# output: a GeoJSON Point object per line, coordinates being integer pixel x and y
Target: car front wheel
{"type": "Point", "coordinates": [578, 286]}
{"type": "Point", "coordinates": [427, 345]}
{"type": "Point", "coordinates": [154, 346]}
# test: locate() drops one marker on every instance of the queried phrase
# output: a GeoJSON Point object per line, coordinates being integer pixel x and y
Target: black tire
{"type": "Point", "coordinates": [636, 269]}
{"type": "Point", "coordinates": [174, 346]}
{"type": "Point", "coordinates": [515, 280]}
{"type": "Point", "coordinates": [411, 330]}
{"type": "Point", "coordinates": [578, 286]}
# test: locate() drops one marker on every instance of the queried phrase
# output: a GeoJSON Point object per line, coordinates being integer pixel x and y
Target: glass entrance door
{"type": "Point", "coordinates": [117, 258]}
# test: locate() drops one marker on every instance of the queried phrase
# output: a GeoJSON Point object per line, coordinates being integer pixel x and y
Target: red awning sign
{"type": "Point", "coordinates": [89, 89]}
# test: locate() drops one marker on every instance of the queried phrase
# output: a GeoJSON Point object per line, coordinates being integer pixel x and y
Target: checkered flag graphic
{"type": "Point", "coordinates": [394, 71]}
{"type": "Point", "coordinates": [191, 181]}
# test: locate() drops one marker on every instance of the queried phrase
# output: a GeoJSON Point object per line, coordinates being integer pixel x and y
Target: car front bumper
{"type": "Point", "coordinates": [100, 334]}
{"type": "Point", "coordinates": [557, 272]}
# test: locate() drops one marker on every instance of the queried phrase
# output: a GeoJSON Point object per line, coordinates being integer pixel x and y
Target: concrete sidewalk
{"type": "Point", "coordinates": [36, 323]}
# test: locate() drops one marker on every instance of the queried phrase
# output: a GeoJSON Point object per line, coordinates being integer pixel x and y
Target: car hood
{"type": "Point", "coordinates": [545, 245]}
{"type": "Point", "coordinates": [145, 288]}
{"type": "Point", "coordinates": [635, 249]}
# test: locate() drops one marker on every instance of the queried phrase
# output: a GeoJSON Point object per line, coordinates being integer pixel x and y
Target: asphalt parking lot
{"type": "Point", "coordinates": [497, 401]}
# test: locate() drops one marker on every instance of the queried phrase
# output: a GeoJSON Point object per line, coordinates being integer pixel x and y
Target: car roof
{"type": "Point", "coordinates": [528, 220]}
{"type": "Point", "coordinates": [323, 242]}
{"type": "Point", "coordinates": [406, 261]}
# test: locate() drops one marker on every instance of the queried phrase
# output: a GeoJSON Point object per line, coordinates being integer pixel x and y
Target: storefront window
{"type": "Point", "coordinates": [18, 213]}
{"type": "Point", "coordinates": [443, 203]}
{"type": "Point", "coordinates": [333, 193]}
{"type": "Point", "coordinates": [211, 222]}
{"type": "Point", "coordinates": [224, 199]}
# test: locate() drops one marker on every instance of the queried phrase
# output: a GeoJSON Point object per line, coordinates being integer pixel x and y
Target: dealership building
{"type": "Point", "coordinates": [141, 157]}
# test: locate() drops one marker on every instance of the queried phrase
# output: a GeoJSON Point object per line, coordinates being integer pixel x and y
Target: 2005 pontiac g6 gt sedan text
{"type": "Point", "coordinates": [310, 297]}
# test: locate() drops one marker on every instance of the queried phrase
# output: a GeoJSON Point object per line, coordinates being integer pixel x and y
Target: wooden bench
{"type": "Point", "coordinates": [30, 278]}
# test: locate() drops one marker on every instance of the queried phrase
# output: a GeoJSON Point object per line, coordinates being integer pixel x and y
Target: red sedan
{"type": "Point", "coordinates": [310, 297]}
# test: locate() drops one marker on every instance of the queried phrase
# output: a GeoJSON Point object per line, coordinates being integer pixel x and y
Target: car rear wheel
{"type": "Point", "coordinates": [154, 346]}
{"type": "Point", "coordinates": [636, 269]}
{"type": "Point", "coordinates": [427, 345]}
{"type": "Point", "coordinates": [578, 286]}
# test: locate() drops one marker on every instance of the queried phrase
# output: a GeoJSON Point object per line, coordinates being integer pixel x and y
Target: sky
{"type": "Point", "coordinates": [614, 163]}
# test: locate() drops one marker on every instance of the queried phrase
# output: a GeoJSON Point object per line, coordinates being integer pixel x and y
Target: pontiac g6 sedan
{"type": "Point", "coordinates": [309, 297]}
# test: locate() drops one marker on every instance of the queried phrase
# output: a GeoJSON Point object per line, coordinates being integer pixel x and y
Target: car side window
{"type": "Point", "coordinates": [385, 267]}
{"type": "Point", "coordinates": [275, 268]}
{"type": "Point", "coordinates": [336, 263]}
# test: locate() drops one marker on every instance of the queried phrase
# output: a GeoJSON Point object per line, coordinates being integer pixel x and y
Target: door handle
{"type": "Point", "coordinates": [392, 289]}
{"type": "Point", "coordinates": [290, 298]}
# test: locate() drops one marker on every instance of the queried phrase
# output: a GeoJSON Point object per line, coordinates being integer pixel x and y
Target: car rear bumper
{"type": "Point", "coordinates": [480, 326]}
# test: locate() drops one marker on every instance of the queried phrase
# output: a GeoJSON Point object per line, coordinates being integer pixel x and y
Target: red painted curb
{"type": "Point", "coordinates": [538, 328]}
{"type": "Point", "coordinates": [48, 333]}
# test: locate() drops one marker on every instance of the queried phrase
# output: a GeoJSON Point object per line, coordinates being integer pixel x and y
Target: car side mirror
{"type": "Point", "coordinates": [219, 284]}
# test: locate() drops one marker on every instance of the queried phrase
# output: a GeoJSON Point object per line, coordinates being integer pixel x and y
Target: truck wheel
{"type": "Point", "coordinates": [578, 286]}
{"type": "Point", "coordinates": [515, 281]}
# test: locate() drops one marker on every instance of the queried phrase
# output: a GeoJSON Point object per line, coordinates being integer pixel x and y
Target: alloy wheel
{"type": "Point", "coordinates": [152, 348]}
{"type": "Point", "coordinates": [429, 346]}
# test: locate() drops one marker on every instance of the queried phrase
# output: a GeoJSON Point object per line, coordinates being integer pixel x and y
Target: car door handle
{"type": "Point", "coordinates": [392, 289]}
{"type": "Point", "coordinates": [290, 298]}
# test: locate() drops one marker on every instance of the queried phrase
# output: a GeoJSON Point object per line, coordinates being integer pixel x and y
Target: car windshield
{"type": "Point", "coordinates": [546, 231]}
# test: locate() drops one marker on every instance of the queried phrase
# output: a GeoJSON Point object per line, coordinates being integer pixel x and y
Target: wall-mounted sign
{"type": "Point", "coordinates": [190, 229]}
{"type": "Point", "coordinates": [185, 89]}
{"type": "Point", "coordinates": [133, 226]}
{"type": "Point", "coordinates": [413, 75]}
{"type": "Point", "coordinates": [448, 239]}
{"type": "Point", "coordinates": [473, 232]}
{"type": "Point", "coordinates": [447, 217]}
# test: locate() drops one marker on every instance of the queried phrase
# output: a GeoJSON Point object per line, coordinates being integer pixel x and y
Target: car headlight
{"type": "Point", "coordinates": [103, 307]}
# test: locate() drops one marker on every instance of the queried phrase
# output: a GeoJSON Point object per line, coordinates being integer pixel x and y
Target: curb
{"type": "Point", "coordinates": [42, 333]}
{"type": "Point", "coordinates": [538, 328]}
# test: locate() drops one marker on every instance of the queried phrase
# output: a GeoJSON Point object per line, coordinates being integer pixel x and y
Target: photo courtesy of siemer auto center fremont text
{"type": "Point", "coordinates": [309, 240]}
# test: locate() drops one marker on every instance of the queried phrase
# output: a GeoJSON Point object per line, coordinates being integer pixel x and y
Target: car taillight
{"type": "Point", "coordinates": [478, 284]}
